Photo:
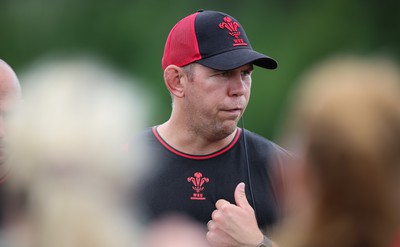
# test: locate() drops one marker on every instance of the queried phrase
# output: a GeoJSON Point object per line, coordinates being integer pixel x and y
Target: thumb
{"type": "Point", "coordinates": [240, 196]}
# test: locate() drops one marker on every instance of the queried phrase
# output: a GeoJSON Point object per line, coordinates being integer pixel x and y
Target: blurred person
{"type": "Point", "coordinates": [345, 127]}
{"type": "Point", "coordinates": [175, 231]}
{"type": "Point", "coordinates": [201, 156]}
{"type": "Point", "coordinates": [10, 94]}
{"type": "Point", "coordinates": [70, 175]}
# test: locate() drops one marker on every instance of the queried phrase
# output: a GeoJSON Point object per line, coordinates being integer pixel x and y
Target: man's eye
{"type": "Point", "coordinates": [246, 73]}
{"type": "Point", "coordinates": [224, 73]}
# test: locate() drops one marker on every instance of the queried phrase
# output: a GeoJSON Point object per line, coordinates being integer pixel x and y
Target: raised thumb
{"type": "Point", "coordinates": [240, 196]}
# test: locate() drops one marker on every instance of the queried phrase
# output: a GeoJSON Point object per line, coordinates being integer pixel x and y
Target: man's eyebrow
{"type": "Point", "coordinates": [218, 70]}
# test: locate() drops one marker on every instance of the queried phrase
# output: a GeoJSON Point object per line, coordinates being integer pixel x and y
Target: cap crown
{"type": "Point", "coordinates": [217, 33]}
{"type": "Point", "coordinates": [213, 38]}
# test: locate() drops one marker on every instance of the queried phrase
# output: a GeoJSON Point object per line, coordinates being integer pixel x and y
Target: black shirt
{"type": "Point", "coordinates": [191, 184]}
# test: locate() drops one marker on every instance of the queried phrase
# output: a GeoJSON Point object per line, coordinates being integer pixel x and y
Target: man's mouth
{"type": "Point", "coordinates": [235, 112]}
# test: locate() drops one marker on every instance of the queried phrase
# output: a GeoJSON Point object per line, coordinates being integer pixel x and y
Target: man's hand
{"type": "Point", "coordinates": [234, 225]}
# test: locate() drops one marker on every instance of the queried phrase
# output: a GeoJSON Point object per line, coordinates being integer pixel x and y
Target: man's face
{"type": "Point", "coordinates": [10, 95]}
{"type": "Point", "coordinates": [215, 100]}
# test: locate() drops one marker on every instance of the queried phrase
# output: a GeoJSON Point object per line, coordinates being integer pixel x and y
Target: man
{"type": "Point", "coordinates": [200, 154]}
{"type": "Point", "coordinates": [10, 93]}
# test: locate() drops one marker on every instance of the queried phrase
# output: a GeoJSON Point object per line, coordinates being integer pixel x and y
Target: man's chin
{"type": "Point", "coordinates": [230, 127]}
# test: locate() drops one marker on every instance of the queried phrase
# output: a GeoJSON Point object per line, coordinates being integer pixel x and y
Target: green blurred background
{"type": "Point", "coordinates": [130, 35]}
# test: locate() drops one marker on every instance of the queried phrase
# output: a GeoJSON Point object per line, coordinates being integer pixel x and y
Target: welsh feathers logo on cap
{"type": "Point", "coordinates": [232, 26]}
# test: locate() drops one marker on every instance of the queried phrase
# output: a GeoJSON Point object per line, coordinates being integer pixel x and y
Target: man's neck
{"type": "Point", "coordinates": [189, 142]}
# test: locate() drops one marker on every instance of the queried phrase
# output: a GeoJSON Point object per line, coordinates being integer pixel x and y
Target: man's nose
{"type": "Point", "coordinates": [237, 86]}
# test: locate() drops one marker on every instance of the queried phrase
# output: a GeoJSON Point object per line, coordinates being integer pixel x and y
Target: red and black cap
{"type": "Point", "coordinates": [213, 39]}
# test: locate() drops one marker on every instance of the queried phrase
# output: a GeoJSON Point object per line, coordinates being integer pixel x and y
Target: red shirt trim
{"type": "Point", "coordinates": [197, 157]}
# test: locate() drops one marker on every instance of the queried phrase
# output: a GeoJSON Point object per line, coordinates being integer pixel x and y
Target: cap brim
{"type": "Point", "coordinates": [237, 58]}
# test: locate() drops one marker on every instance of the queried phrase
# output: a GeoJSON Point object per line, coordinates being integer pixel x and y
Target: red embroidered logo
{"type": "Point", "coordinates": [233, 30]}
{"type": "Point", "coordinates": [198, 180]}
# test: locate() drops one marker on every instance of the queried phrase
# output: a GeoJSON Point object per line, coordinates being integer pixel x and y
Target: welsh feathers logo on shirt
{"type": "Point", "coordinates": [198, 180]}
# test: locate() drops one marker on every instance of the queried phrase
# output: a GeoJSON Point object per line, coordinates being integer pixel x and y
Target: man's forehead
{"type": "Point", "coordinates": [248, 66]}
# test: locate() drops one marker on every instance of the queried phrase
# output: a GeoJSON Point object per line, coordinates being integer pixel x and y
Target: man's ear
{"type": "Point", "coordinates": [173, 76]}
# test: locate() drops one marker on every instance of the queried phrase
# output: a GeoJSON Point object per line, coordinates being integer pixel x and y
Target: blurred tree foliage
{"type": "Point", "coordinates": [130, 34]}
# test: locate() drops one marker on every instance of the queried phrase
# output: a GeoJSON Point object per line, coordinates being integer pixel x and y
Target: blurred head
{"type": "Point", "coordinates": [175, 231]}
{"type": "Point", "coordinates": [72, 109]}
{"type": "Point", "coordinates": [10, 94]}
{"type": "Point", "coordinates": [345, 127]}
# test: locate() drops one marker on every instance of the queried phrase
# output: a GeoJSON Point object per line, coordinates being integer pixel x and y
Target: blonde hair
{"type": "Point", "coordinates": [346, 126]}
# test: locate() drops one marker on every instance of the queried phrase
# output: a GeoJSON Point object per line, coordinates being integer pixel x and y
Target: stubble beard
{"type": "Point", "coordinates": [213, 129]}
{"type": "Point", "coordinates": [208, 125]}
